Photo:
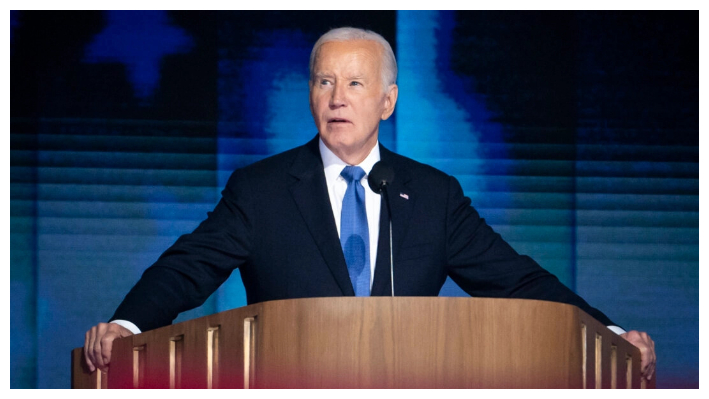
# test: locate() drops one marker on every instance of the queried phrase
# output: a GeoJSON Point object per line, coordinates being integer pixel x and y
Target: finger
{"type": "Point", "coordinates": [106, 346]}
{"type": "Point", "coordinates": [98, 358]}
{"type": "Point", "coordinates": [86, 351]}
{"type": "Point", "coordinates": [644, 360]}
{"type": "Point", "coordinates": [647, 374]}
{"type": "Point", "coordinates": [649, 357]}
{"type": "Point", "coordinates": [651, 372]}
{"type": "Point", "coordinates": [92, 341]}
{"type": "Point", "coordinates": [654, 359]}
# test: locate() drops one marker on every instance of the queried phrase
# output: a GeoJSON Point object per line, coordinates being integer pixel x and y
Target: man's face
{"type": "Point", "coordinates": [348, 99]}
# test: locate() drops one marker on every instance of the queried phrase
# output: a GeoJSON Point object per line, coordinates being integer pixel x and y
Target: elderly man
{"type": "Point", "coordinates": [304, 223]}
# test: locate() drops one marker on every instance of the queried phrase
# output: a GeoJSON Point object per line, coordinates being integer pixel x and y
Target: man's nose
{"type": "Point", "coordinates": [337, 97]}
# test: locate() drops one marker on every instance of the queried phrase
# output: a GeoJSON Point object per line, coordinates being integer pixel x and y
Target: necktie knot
{"type": "Point", "coordinates": [352, 173]}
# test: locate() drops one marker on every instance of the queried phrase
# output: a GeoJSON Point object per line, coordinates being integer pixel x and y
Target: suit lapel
{"type": "Point", "coordinates": [402, 199]}
{"type": "Point", "coordinates": [309, 190]}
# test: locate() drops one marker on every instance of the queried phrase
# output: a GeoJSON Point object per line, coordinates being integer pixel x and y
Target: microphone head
{"type": "Point", "coordinates": [380, 176]}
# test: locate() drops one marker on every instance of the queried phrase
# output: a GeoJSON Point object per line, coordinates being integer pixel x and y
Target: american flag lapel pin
{"type": "Point", "coordinates": [404, 196]}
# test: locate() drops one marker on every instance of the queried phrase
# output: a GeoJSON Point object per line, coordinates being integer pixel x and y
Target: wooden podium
{"type": "Point", "coordinates": [375, 342]}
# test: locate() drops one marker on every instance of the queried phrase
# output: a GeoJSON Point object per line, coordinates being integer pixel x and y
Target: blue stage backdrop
{"type": "Point", "coordinates": [575, 134]}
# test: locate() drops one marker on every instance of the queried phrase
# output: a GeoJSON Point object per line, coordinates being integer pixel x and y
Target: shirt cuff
{"type": "Point", "coordinates": [130, 326]}
{"type": "Point", "coordinates": [616, 330]}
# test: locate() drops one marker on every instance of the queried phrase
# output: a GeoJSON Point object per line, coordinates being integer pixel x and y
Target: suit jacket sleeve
{"type": "Point", "coordinates": [484, 265]}
{"type": "Point", "coordinates": [195, 266]}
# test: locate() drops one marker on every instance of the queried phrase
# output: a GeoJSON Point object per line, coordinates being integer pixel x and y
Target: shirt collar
{"type": "Point", "coordinates": [334, 165]}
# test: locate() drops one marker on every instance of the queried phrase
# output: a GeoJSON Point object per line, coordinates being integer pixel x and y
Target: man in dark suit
{"type": "Point", "coordinates": [279, 219]}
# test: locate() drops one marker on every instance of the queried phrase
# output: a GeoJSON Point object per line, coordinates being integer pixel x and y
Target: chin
{"type": "Point", "coordinates": [338, 138]}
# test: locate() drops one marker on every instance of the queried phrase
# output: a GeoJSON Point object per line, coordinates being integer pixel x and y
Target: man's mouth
{"type": "Point", "coordinates": [338, 120]}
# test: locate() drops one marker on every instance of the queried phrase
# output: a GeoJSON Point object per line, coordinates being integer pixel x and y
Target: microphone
{"type": "Point", "coordinates": [379, 178]}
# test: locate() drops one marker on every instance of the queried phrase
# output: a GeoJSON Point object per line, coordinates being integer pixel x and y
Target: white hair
{"type": "Point", "coordinates": [389, 69]}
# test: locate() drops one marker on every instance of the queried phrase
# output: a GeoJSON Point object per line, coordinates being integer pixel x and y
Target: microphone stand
{"type": "Point", "coordinates": [379, 178]}
{"type": "Point", "coordinates": [385, 194]}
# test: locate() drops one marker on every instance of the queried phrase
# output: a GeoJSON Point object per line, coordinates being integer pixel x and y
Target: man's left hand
{"type": "Point", "coordinates": [647, 351]}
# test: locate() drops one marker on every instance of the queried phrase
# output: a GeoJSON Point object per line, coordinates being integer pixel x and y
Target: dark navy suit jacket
{"type": "Point", "coordinates": [275, 224]}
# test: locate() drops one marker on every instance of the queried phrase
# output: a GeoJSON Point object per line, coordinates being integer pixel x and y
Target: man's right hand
{"type": "Point", "coordinates": [98, 344]}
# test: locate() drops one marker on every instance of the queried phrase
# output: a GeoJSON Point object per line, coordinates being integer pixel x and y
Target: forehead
{"type": "Point", "coordinates": [352, 54]}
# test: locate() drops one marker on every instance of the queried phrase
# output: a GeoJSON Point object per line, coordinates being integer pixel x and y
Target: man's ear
{"type": "Point", "coordinates": [390, 101]}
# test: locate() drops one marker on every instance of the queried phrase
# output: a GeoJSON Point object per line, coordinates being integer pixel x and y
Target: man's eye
{"type": "Point", "coordinates": [324, 82]}
{"type": "Point", "coordinates": [355, 84]}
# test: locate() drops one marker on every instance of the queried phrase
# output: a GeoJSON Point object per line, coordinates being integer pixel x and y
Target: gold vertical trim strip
{"type": "Point", "coordinates": [249, 351]}
{"type": "Point", "coordinates": [628, 372]}
{"type": "Point", "coordinates": [175, 361]}
{"type": "Point", "coordinates": [172, 364]}
{"type": "Point", "coordinates": [137, 365]}
{"type": "Point", "coordinates": [599, 360]}
{"type": "Point", "coordinates": [584, 355]}
{"type": "Point", "coordinates": [614, 367]}
{"type": "Point", "coordinates": [212, 356]}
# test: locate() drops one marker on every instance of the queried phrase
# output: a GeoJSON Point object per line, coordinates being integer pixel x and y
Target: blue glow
{"type": "Point", "coordinates": [139, 40]}
{"type": "Point", "coordinates": [434, 113]}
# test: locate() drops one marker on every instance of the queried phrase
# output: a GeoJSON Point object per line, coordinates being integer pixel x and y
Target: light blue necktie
{"type": "Point", "coordinates": [354, 232]}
